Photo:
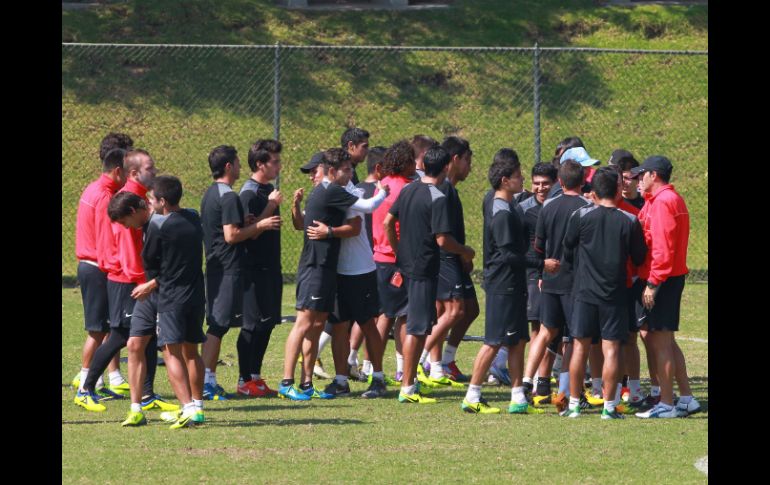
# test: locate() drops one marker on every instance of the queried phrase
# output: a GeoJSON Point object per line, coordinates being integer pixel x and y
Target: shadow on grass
{"type": "Point", "coordinates": [284, 422]}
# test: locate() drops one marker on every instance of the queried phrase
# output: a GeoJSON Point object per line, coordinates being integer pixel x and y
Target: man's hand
{"type": "Point", "coordinates": [275, 196]}
{"type": "Point", "coordinates": [468, 254]}
{"type": "Point", "coordinates": [648, 297]}
{"type": "Point", "coordinates": [551, 265]}
{"type": "Point", "coordinates": [272, 223]}
{"type": "Point", "coordinates": [318, 231]}
{"type": "Point", "coordinates": [249, 219]}
{"type": "Point", "coordinates": [467, 266]}
{"type": "Point", "coordinates": [298, 195]}
{"type": "Point", "coordinates": [141, 292]}
{"type": "Point", "coordinates": [383, 187]}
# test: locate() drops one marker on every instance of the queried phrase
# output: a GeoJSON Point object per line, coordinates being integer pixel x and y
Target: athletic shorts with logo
{"type": "Point", "coordinates": [450, 280]}
{"type": "Point", "coordinates": [144, 321]}
{"type": "Point", "coordinates": [181, 325]}
{"type": "Point", "coordinates": [393, 299]}
{"type": "Point", "coordinates": [224, 299]}
{"type": "Point", "coordinates": [120, 303]}
{"type": "Point", "coordinates": [668, 299]}
{"type": "Point", "coordinates": [469, 290]}
{"type": "Point", "coordinates": [608, 321]}
{"type": "Point", "coordinates": [506, 319]}
{"type": "Point", "coordinates": [357, 298]}
{"type": "Point", "coordinates": [421, 313]}
{"type": "Point", "coordinates": [316, 288]}
{"type": "Point", "coordinates": [555, 312]}
{"type": "Point", "coordinates": [262, 293]}
{"type": "Point", "coordinates": [635, 308]}
{"type": "Point", "coordinates": [93, 290]}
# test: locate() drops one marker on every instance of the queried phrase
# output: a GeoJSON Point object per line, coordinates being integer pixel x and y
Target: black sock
{"type": "Point", "coordinates": [287, 382]}
{"type": "Point", "coordinates": [306, 385]}
{"type": "Point", "coordinates": [151, 356]}
{"type": "Point", "coordinates": [245, 348]}
{"type": "Point", "coordinates": [527, 386]}
{"type": "Point", "coordinates": [625, 381]}
{"type": "Point", "coordinates": [104, 353]}
{"type": "Point", "coordinates": [543, 386]}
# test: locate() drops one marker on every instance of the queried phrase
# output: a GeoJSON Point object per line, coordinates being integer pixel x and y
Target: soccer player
{"type": "Point", "coordinates": [666, 224]}
{"type": "Point", "coordinates": [224, 231]}
{"type": "Point", "coordinates": [561, 147]}
{"type": "Point", "coordinates": [505, 248]}
{"type": "Point", "coordinates": [355, 141]}
{"type": "Point", "coordinates": [92, 229]}
{"type": "Point", "coordinates": [425, 227]}
{"type": "Point", "coordinates": [630, 183]}
{"type": "Point", "coordinates": [421, 144]}
{"type": "Point", "coordinates": [263, 280]}
{"type": "Point", "coordinates": [598, 243]}
{"type": "Point", "coordinates": [317, 269]}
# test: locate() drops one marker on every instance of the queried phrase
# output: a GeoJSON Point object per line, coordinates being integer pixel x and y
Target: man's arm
{"type": "Point", "coordinates": [663, 226]}
{"type": "Point", "coordinates": [319, 230]}
{"type": "Point", "coordinates": [389, 224]}
{"type": "Point", "coordinates": [297, 217]}
{"type": "Point", "coordinates": [638, 249]}
{"type": "Point", "coordinates": [448, 243]}
{"type": "Point", "coordinates": [571, 237]}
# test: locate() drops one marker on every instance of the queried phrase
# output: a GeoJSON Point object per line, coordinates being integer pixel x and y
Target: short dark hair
{"type": "Point", "coordinates": [563, 146]}
{"type": "Point", "coordinates": [664, 176]}
{"type": "Point", "coordinates": [375, 156]}
{"type": "Point", "coordinates": [260, 152]}
{"type": "Point", "coordinates": [627, 163]}
{"type": "Point", "coordinates": [543, 169]}
{"type": "Point", "coordinates": [505, 163]}
{"type": "Point", "coordinates": [436, 158]}
{"type": "Point", "coordinates": [454, 145]}
{"type": "Point", "coordinates": [167, 187]}
{"type": "Point", "coordinates": [356, 135]}
{"type": "Point", "coordinates": [422, 142]}
{"type": "Point", "coordinates": [123, 204]}
{"type": "Point", "coordinates": [112, 141]}
{"type": "Point", "coordinates": [571, 174]}
{"type": "Point", "coordinates": [219, 157]}
{"type": "Point", "coordinates": [334, 158]}
{"type": "Point", "coordinates": [605, 183]}
{"type": "Point", "coordinates": [397, 157]}
{"type": "Point", "coordinates": [113, 159]}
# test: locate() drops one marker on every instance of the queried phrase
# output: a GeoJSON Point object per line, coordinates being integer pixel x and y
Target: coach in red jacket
{"type": "Point", "coordinates": [666, 224]}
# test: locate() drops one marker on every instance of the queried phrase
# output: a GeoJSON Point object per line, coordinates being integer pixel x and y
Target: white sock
{"type": "Point", "coordinates": [474, 394]}
{"type": "Point", "coordinates": [424, 356]}
{"type": "Point", "coordinates": [596, 386]}
{"type": "Point", "coordinates": [198, 403]}
{"type": "Point", "coordinates": [528, 379]}
{"type": "Point", "coordinates": [609, 406]}
{"type": "Point", "coordinates": [353, 358]}
{"type": "Point", "coordinates": [378, 375]}
{"type": "Point", "coordinates": [574, 402]}
{"type": "Point", "coordinates": [449, 354]}
{"type": "Point", "coordinates": [399, 362]}
{"type": "Point", "coordinates": [367, 368]}
{"type": "Point", "coordinates": [517, 395]}
{"type": "Point", "coordinates": [99, 382]}
{"type": "Point", "coordinates": [210, 377]}
{"type": "Point", "coordinates": [408, 390]}
{"type": "Point", "coordinates": [136, 407]}
{"type": "Point", "coordinates": [654, 391]}
{"type": "Point", "coordinates": [323, 341]}
{"type": "Point", "coordinates": [564, 383]}
{"type": "Point", "coordinates": [83, 375]}
{"type": "Point", "coordinates": [685, 399]}
{"type": "Point", "coordinates": [557, 363]}
{"type": "Point", "coordinates": [635, 387]}
{"type": "Point", "coordinates": [188, 409]}
{"type": "Point", "coordinates": [116, 378]}
{"type": "Point", "coordinates": [255, 377]}
{"type": "Point", "coordinates": [341, 380]}
{"type": "Point", "coordinates": [436, 370]}
{"type": "Point", "coordinates": [501, 359]}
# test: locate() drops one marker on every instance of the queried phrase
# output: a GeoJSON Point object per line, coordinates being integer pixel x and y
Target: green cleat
{"type": "Point", "coordinates": [571, 412]}
{"type": "Point", "coordinates": [389, 381]}
{"type": "Point", "coordinates": [415, 398]}
{"type": "Point", "coordinates": [89, 401]}
{"type": "Point", "coordinates": [198, 418]}
{"type": "Point", "coordinates": [444, 381]}
{"type": "Point", "coordinates": [184, 421]}
{"type": "Point", "coordinates": [76, 381]}
{"type": "Point", "coordinates": [134, 419]}
{"type": "Point", "coordinates": [612, 414]}
{"type": "Point", "coordinates": [121, 389]}
{"type": "Point", "coordinates": [170, 416]}
{"type": "Point", "coordinates": [155, 401]}
{"type": "Point", "coordinates": [524, 408]}
{"type": "Point", "coordinates": [480, 407]}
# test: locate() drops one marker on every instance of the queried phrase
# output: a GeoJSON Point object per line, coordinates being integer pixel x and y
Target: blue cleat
{"type": "Point", "coordinates": [292, 393]}
{"type": "Point", "coordinates": [105, 394]}
{"type": "Point", "coordinates": [501, 374]}
{"type": "Point", "coordinates": [213, 393]}
{"type": "Point", "coordinates": [314, 393]}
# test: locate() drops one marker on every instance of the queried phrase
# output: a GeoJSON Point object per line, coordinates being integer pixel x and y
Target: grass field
{"type": "Point", "coordinates": [352, 440]}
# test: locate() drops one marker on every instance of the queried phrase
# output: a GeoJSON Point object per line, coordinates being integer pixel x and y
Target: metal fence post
{"type": "Point", "coordinates": [536, 100]}
{"type": "Point", "coordinates": [277, 101]}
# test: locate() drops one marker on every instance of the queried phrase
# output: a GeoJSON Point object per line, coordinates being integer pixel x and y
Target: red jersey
{"type": "Point", "coordinates": [631, 270]}
{"type": "Point", "coordinates": [666, 225]}
{"type": "Point", "coordinates": [128, 244]}
{"type": "Point", "coordinates": [383, 253]}
{"type": "Point", "coordinates": [92, 229]}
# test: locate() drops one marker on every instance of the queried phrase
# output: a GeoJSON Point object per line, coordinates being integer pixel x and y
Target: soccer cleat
{"type": "Point", "coordinates": [424, 390]}
{"type": "Point", "coordinates": [134, 419]}
{"type": "Point", "coordinates": [155, 401]}
{"type": "Point", "coordinates": [444, 381]}
{"type": "Point", "coordinates": [263, 390]}
{"type": "Point", "coordinates": [212, 393]}
{"type": "Point", "coordinates": [571, 412]}
{"type": "Point", "coordinates": [492, 380]}
{"type": "Point", "coordinates": [651, 400]}
{"type": "Point", "coordinates": [560, 401]}
{"type": "Point", "coordinates": [314, 393]}
{"type": "Point", "coordinates": [481, 407]}
{"type": "Point", "coordinates": [89, 401]}
{"type": "Point", "coordinates": [107, 395]}
{"type": "Point", "coordinates": [318, 370]}
{"type": "Point", "coordinates": [388, 381]}
{"type": "Point", "coordinates": [543, 400]}
{"type": "Point", "coordinates": [685, 410]}
{"type": "Point", "coordinates": [636, 401]}
{"type": "Point", "coordinates": [593, 400]}
{"type": "Point", "coordinates": [376, 389]}
{"type": "Point", "coordinates": [612, 414]}
{"type": "Point", "coordinates": [425, 367]}
{"type": "Point", "coordinates": [292, 392]}
{"type": "Point", "coordinates": [121, 389]}
{"type": "Point", "coordinates": [170, 416]}
{"type": "Point", "coordinates": [415, 398]}
{"type": "Point", "coordinates": [624, 408]}
{"type": "Point", "coordinates": [76, 381]}
{"type": "Point", "coordinates": [523, 408]}
{"type": "Point", "coordinates": [584, 404]}
{"type": "Point", "coordinates": [183, 421]}
{"type": "Point", "coordinates": [198, 418]}
{"type": "Point", "coordinates": [336, 389]}
{"type": "Point", "coordinates": [659, 411]}
{"type": "Point", "coordinates": [454, 373]}
{"type": "Point", "coordinates": [421, 370]}
{"type": "Point", "coordinates": [501, 374]}
{"type": "Point", "coordinates": [354, 372]}
{"type": "Point", "coordinates": [397, 377]}
{"type": "Point", "coordinates": [248, 388]}
{"type": "Point", "coordinates": [625, 394]}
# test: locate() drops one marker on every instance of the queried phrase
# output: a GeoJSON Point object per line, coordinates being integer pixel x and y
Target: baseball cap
{"type": "Point", "coordinates": [315, 161]}
{"type": "Point", "coordinates": [655, 163]}
{"type": "Point", "coordinates": [580, 155]}
{"type": "Point", "coordinates": [619, 155]}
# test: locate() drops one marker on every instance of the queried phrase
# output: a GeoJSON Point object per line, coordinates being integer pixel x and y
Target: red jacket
{"type": "Point", "coordinates": [666, 225]}
{"type": "Point", "coordinates": [631, 270]}
{"type": "Point", "coordinates": [93, 225]}
{"type": "Point", "coordinates": [128, 244]}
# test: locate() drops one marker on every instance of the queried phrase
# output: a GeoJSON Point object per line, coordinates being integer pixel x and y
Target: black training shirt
{"type": "Point", "coordinates": [265, 250]}
{"type": "Point", "coordinates": [505, 250]}
{"type": "Point", "coordinates": [172, 253]}
{"type": "Point", "coordinates": [531, 208]}
{"type": "Point", "coordinates": [533, 262]}
{"type": "Point", "coordinates": [368, 188]}
{"type": "Point", "coordinates": [637, 202]}
{"type": "Point", "coordinates": [221, 206]}
{"type": "Point", "coordinates": [603, 238]}
{"type": "Point", "coordinates": [422, 212]}
{"type": "Point", "coordinates": [456, 221]}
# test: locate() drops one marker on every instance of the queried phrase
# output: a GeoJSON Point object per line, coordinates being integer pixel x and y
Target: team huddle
{"type": "Point", "coordinates": [578, 266]}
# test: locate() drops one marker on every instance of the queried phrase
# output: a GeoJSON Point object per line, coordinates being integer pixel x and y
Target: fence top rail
{"type": "Point", "coordinates": [400, 48]}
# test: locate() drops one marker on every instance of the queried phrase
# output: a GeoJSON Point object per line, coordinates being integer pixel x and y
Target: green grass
{"type": "Point", "coordinates": [380, 441]}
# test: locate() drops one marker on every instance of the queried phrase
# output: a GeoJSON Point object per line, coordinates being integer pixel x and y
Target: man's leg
{"type": "Point", "coordinates": [577, 367]}
{"type": "Point", "coordinates": [137, 365]}
{"type": "Point", "coordinates": [195, 370]}
{"type": "Point", "coordinates": [293, 347]}
{"type": "Point", "coordinates": [662, 346]}
{"type": "Point", "coordinates": [116, 340]}
{"type": "Point", "coordinates": [412, 347]}
{"type": "Point", "coordinates": [680, 369]}
{"type": "Point", "coordinates": [596, 362]}
{"type": "Point", "coordinates": [453, 312]}
{"type": "Point", "coordinates": [611, 373]}
{"type": "Point", "coordinates": [457, 334]}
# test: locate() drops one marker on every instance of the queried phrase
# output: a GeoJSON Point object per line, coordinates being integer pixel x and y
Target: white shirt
{"type": "Point", "coordinates": [355, 254]}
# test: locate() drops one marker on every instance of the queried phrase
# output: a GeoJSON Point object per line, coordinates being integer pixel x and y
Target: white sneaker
{"type": "Point", "coordinates": [319, 371]}
{"type": "Point", "coordinates": [659, 411]}
{"type": "Point", "coordinates": [492, 380]}
{"type": "Point", "coordinates": [170, 416]}
{"type": "Point", "coordinates": [685, 410]}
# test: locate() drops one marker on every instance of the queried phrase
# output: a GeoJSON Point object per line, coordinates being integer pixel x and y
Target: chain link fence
{"type": "Point", "coordinates": [180, 101]}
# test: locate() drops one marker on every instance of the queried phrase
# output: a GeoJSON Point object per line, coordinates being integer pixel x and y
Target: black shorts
{"type": "Point", "coordinates": [635, 307]}
{"type": "Point", "coordinates": [555, 312]}
{"type": "Point", "coordinates": [121, 304]}
{"type": "Point", "coordinates": [357, 299]}
{"type": "Point", "coordinates": [316, 289]}
{"type": "Point", "coordinates": [262, 293]}
{"type": "Point", "coordinates": [450, 280]}
{"type": "Point", "coordinates": [608, 321]}
{"type": "Point", "coordinates": [533, 301]}
{"type": "Point", "coordinates": [224, 299]}
{"type": "Point", "coordinates": [93, 290]}
{"type": "Point", "coordinates": [183, 325]}
{"type": "Point", "coordinates": [665, 313]}
{"type": "Point", "coordinates": [393, 300]}
{"type": "Point", "coordinates": [144, 321]}
{"type": "Point", "coordinates": [469, 290]}
{"type": "Point", "coordinates": [421, 314]}
{"type": "Point", "coordinates": [506, 319]}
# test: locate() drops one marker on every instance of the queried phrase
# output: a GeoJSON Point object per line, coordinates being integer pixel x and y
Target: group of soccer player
{"type": "Point", "coordinates": [587, 260]}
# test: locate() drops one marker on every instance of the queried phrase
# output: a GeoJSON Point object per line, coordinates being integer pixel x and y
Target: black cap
{"type": "Point", "coordinates": [655, 163]}
{"type": "Point", "coordinates": [315, 161]}
{"type": "Point", "coordinates": [619, 155]}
